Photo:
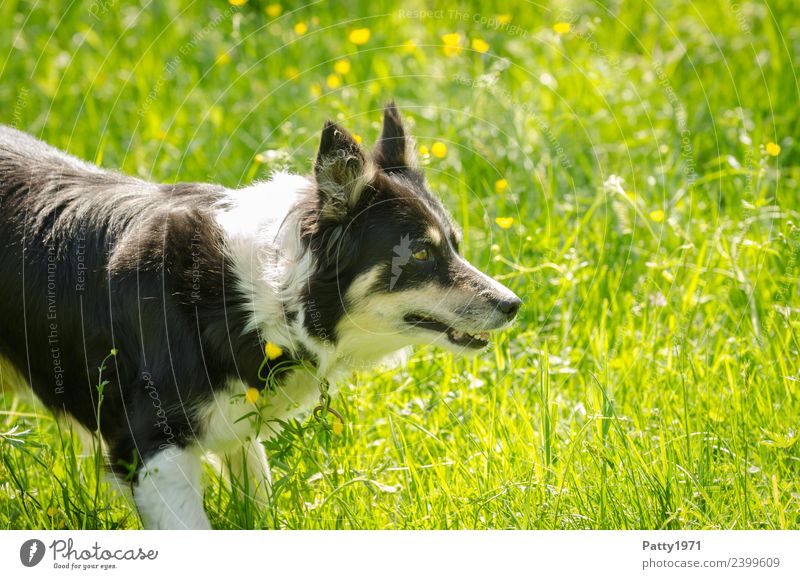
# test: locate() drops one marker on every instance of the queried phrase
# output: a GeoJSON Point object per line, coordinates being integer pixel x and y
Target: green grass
{"type": "Point", "coordinates": [652, 379]}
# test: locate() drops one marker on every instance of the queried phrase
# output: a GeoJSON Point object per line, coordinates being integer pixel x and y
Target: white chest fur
{"type": "Point", "coordinates": [224, 428]}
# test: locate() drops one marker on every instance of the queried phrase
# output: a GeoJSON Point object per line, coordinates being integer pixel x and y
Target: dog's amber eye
{"type": "Point", "coordinates": [423, 254]}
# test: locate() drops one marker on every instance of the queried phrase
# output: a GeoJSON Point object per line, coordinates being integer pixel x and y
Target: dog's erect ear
{"type": "Point", "coordinates": [395, 149]}
{"type": "Point", "coordinates": [341, 169]}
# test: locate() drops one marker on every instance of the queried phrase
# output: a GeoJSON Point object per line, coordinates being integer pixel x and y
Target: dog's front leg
{"type": "Point", "coordinates": [249, 464]}
{"type": "Point", "coordinates": [168, 492]}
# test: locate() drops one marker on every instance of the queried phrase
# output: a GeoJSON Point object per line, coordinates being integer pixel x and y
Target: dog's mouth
{"type": "Point", "coordinates": [457, 337]}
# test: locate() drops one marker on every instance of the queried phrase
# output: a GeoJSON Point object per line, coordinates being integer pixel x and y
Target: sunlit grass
{"type": "Point", "coordinates": [632, 174]}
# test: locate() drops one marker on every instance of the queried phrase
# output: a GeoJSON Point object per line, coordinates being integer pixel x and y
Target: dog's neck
{"type": "Point", "coordinates": [273, 268]}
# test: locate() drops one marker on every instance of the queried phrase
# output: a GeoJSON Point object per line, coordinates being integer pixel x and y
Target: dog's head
{"type": "Point", "coordinates": [389, 272]}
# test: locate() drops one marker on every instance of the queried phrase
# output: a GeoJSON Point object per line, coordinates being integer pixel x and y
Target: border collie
{"type": "Point", "coordinates": [187, 284]}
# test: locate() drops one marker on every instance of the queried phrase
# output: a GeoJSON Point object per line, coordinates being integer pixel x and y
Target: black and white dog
{"type": "Point", "coordinates": [187, 283]}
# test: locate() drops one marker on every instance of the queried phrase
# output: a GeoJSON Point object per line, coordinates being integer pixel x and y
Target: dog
{"type": "Point", "coordinates": [193, 296]}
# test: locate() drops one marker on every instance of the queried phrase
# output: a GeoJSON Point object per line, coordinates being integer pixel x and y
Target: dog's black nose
{"type": "Point", "coordinates": [510, 306]}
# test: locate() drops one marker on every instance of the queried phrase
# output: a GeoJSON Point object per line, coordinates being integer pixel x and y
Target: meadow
{"type": "Point", "coordinates": [629, 168]}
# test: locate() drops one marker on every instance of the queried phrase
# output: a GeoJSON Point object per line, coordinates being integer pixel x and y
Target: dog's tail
{"type": "Point", "coordinates": [52, 191]}
{"type": "Point", "coordinates": [18, 148]}
{"type": "Point", "coordinates": [30, 165]}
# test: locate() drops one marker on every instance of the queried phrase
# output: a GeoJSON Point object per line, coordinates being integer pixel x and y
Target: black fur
{"type": "Point", "coordinates": [93, 260]}
{"type": "Point", "coordinates": [394, 150]}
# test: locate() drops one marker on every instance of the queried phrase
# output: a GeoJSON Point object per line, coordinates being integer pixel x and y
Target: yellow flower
{"type": "Point", "coordinates": [359, 36]}
{"type": "Point", "coordinates": [503, 18]}
{"type": "Point", "coordinates": [342, 66]}
{"type": "Point", "coordinates": [333, 81]}
{"type": "Point", "coordinates": [452, 39]}
{"type": "Point", "coordinates": [274, 10]}
{"type": "Point", "coordinates": [562, 27]}
{"type": "Point", "coordinates": [292, 72]}
{"type": "Point", "coordinates": [252, 395]}
{"type": "Point", "coordinates": [409, 46]}
{"type": "Point", "coordinates": [500, 185]}
{"type": "Point", "coordinates": [423, 150]}
{"type": "Point", "coordinates": [657, 215]}
{"type": "Point", "coordinates": [504, 222]}
{"type": "Point", "coordinates": [223, 58]}
{"type": "Point", "coordinates": [439, 149]}
{"type": "Point", "coordinates": [480, 45]}
{"type": "Point", "coordinates": [300, 28]}
{"type": "Point", "coordinates": [260, 158]}
{"type": "Point", "coordinates": [237, 2]}
{"type": "Point", "coordinates": [316, 89]}
{"type": "Point", "coordinates": [273, 350]}
{"type": "Point", "coordinates": [357, 138]}
{"type": "Point", "coordinates": [337, 427]}
{"type": "Point", "coordinates": [52, 512]}
{"type": "Point", "coordinates": [452, 44]}
{"type": "Point", "coordinates": [773, 149]}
